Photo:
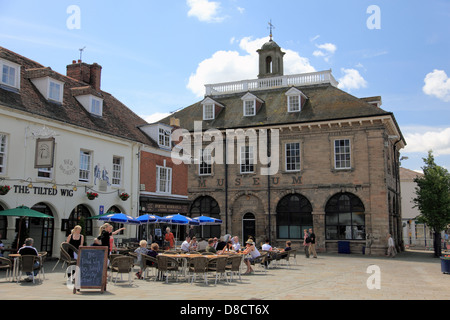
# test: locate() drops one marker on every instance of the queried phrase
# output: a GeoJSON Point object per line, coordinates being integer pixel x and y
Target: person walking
{"type": "Point", "coordinates": [312, 245]}
{"type": "Point", "coordinates": [306, 242]}
{"type": "Point", "coordinates": [391, 247]}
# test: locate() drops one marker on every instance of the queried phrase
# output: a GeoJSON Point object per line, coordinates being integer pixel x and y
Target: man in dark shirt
{"type": "Point", "coordinates": [29, 250]}
{"type": "Point", "coordinates": [312, 245]}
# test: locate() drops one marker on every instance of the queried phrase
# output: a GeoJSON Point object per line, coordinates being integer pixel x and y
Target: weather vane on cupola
{"type": "Point", "coordinates": [271, 27]}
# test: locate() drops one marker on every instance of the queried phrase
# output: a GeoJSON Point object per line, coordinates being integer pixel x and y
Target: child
{"type": "Point", "coordinates": [141, 250]}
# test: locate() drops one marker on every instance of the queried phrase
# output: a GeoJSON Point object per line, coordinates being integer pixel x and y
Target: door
{"type": "Point", "coordinates": [248, 227]}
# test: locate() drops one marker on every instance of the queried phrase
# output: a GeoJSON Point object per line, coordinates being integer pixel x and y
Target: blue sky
{"type": "Point", "coordinates": [157, 55]}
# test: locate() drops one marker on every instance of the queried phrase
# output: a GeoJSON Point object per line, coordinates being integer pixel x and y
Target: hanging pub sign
{"type": "Point", "coordinates": [45, 149]}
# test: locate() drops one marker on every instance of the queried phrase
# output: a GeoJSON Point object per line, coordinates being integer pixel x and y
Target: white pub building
{"type": "Point", "coordinates": [62, 137]}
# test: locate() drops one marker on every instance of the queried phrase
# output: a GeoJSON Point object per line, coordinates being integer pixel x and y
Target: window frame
{"type": "Point", "coordinates": [85, 154]}
{"type": "Point", "coordinates": [253, 107]}
{"type": "Point", "coordinates": [60, 90]}
{"type": "Point", "coordinates": [117, 174]}
{"type": "Point", "coordinates": [100, 106]}
{"type": "Point", "coordinates": [16, 68]}
{"type": "Point", "coordinates": [249, 164]}
{"type": "Point", "coordinates": [4, 153]}
{"type": "Point", "coordinates": [168, 182]}
{"type": "Point", "coordinates": [208, 105]}
{"type": "Point", "coordinates": [164, 137]}
{"type": "Point", "coordinates": [205, 168]}
{"type": "Point", "coordinates": [286, 157]}
{"type": "Point", "coordinates": [341, 153]}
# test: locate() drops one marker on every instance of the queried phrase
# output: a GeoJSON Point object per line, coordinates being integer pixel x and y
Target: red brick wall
{"type": "Point", "coordinates": [149, 161]}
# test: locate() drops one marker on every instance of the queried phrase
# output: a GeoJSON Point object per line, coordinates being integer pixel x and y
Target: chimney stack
{"type": "Point", "coordinates": [87, 73]}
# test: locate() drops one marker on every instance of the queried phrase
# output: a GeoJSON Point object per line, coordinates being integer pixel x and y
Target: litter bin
{"type": "Point", "coordinates": [343, 247]}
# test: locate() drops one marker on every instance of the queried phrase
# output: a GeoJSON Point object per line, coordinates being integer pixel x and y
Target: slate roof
{"type": "Point", "coordinates": [325, 102]}
{"type": "Point", "coordinates": [117, 119]}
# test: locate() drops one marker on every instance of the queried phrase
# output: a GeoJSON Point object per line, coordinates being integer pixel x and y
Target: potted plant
{"type": "Point", "coordinates": [124, 196]}
{"type": "Point", "coordinates": [91, 195]}
{"type": "Point", "coordinates": [4, 190]}
{"type": "Point", "coordinates": [445, 264]}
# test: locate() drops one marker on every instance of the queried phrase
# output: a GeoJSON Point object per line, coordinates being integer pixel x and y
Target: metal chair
{"type": "Point", "coordinates": [6, 264]}
{"type": "Point", "coordinates": [122, 264]}
{"type": "Point", "coordinates": [261, 261]}
{"type": "Point", "coordinates": [43, 255]}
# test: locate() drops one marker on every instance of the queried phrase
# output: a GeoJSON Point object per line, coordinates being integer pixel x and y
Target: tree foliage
{"type": "Point", "coordinates": [433, 197]}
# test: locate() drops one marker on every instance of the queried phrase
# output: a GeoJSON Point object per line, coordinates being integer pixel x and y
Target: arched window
{"type": "Point", "coordinates": [269, 64]}
{"type": "Point", "coordinates": [75, 217]}
{"type": "Point", "coordinates": [3, 225]}
{"type": "Point", "coordinates": [206, 206]}
{"type": "Point", "coordinates": [345, 218]}
{"type": "Point", "coordinates": [293, 215]}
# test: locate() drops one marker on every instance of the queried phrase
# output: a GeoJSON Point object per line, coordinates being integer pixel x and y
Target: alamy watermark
{"type": "Point", "coordinates": [374, 20]}
{"type": "Point", "coordinates": [74, 20]}
{"type": "Point", "coordinates": [253, 147]}
{"type": "Point", "coordinates": [374, 280]}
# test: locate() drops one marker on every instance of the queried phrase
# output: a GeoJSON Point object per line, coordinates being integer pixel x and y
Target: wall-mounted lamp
{"type": "Point", "coordinates": [74, 186]}
{"type": "Point", "coordinates": [54, 187]}
{"type": "Point", "coordinates": [30, 183]}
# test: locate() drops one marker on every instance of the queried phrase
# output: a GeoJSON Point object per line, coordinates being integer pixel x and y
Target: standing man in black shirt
{"type": "Point", "coordinates": [312, 246]}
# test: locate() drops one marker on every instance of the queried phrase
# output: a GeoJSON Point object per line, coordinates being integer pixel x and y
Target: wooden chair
{"type": "Point", "coordinates": [198, 265]}
{"type": "Point", "coordinates": [121, 265]}
{"type": "Point", "coordinates": [261, 261]}
{"type": "Point", "coordinates": [147, 263]}
{"type": "Point", "coordinates": [6, 264]}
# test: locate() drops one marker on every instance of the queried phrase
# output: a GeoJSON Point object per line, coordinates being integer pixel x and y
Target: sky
{"type": "Point", "coordinates": [158, 55]}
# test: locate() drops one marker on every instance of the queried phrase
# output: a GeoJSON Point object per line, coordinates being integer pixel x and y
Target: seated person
{"type": "Point", "coordinates": [210, 247]}
{"type": "Point", "coordinates": [29, 250]}
{"type": "Point", "coordinates": [194, 244]}
{"type": "Point", "coordinates": [186, 245]}
{"type": "Point", "coordinates": [139, 251]}
{"type": "Point", "coordinates": [266, 246]}
{"type": "Point", "coordinates": [254, 254]}
{"type": "Point", "coordinates": [228, 247]}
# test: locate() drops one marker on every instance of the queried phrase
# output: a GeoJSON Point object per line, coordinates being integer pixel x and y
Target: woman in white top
{"type": "Point", "coordinates": [253, 252]}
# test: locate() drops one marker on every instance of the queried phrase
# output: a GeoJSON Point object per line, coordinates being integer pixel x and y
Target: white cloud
{"type": "Point", "coordinates": [241, 10]}
{"type": "Point", "coordinates": [326, 50]}
{"type": "Point", "coordinates": [352, 79]}
{"type": "Point", "coordinates": [423, 140]}
{"type": "Point", "coordinates": [204, 10]}
{"type": "Point", "coordinates": [437, 84]}
{"type": "Point", "coordinates": [155, 117]}
{"type": "Point", "coordinates": [226, 66]}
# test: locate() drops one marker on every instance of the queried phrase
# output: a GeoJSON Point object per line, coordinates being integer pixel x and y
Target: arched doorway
{"type": "Point", "coordinates": [294, 214]}
{"type": "Point", "coordinates": [79, 216]}
{"type": "Point", "coordinates": [206, 206]}
{"type": "Point", "coordinates": [41, 230]}
{"type": "Point", "coordinates": [3, 225]}
{"type": "Point", "coordinates": [248, 226]}
{"type": "Point", "coordinates": [345, 218]}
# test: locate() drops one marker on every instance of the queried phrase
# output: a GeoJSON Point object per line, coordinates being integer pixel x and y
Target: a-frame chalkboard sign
{"type": "Point", "coordinates": [92, 268]}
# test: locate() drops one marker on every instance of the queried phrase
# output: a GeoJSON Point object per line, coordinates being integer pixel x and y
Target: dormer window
{"type": "Point", "coordinates": [211, 109]}
{"type": "Point", "coordinates": [164, 137]}
{"type": "Point", "coordinates": [251, 104]}
{"type": "Point", "coordinates": [55, 91]}
{"type": "Point", "coordinates": [96, 106]}
{"type": "Point", "coordinates": [208, 112]}
{"type": "Point", "coordinates": [92, 104]}
{"type": "Point", "coordinates": [295, 100]}
{"type": "Point", "coordinates": [10, 74]}
{"type": "Point", "coordinates": [50, 88]}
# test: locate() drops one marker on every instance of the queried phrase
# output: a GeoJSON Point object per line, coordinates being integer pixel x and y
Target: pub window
{"type": "Point", "coordinates": [3, 150]}
{"type": "Point", "coordinates": [117, 171]}
{"type": "Point", "coordinates": [163, 179]}
{"type": "Point", "coordinates": [85, 166]}
{"type": "Point", "coordinates": [345, 218]}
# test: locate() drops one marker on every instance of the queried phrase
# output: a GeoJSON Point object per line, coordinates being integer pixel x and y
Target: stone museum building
{"type": "Point", "coordinates": [279, 154]}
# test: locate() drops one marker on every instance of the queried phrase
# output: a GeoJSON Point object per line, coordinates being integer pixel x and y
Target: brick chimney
{"type": "Point", "coordinates": [87, 73]}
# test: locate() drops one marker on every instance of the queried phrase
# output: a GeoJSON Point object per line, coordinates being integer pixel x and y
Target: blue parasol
{"type": "Point", "coordinates": [120, 218]}
{"type": "Point", "coordinates": [204, 220]}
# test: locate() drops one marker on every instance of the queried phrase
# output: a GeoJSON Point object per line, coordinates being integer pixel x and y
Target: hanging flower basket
{"type": "Point", "coordinates": [91, 195]}
{"type": "Point", "coordinates": [124, 196]}
{"type": "Point", "coordinates": [4, 190]}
